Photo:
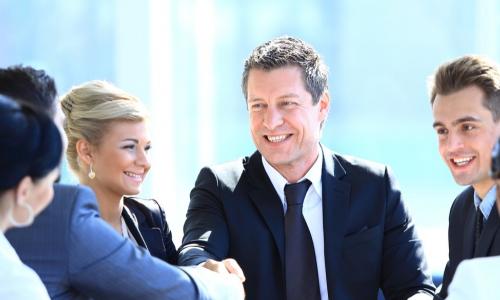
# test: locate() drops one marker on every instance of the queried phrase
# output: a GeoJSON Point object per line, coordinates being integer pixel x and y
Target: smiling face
{"type": "Point", "coordinates": [121, 160]}
{"type": "Point", "coordinates": [466, 132]}
{"type": "Point", "coordinates": [284, 123]}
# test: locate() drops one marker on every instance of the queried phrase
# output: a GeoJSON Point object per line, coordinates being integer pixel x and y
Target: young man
{"type": "Point", "coordinates": [466, 110]}
{"type": "Point", "coordinates": [77, 254]}
{"type": "Point", "coordinates": [303, 222]}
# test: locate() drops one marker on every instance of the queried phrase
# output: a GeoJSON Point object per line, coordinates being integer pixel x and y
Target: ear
{"type": "Point", "coordinates": [84, 150]}
{"type": "Point", "coordinates": [23, 190]}
{"type": "Point", "coordinates": [324, 106]}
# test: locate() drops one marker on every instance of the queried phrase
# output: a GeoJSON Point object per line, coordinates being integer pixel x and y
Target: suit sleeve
{"type": "Point", "coordinates": [104, 265]}
{"type": "Point", "coordinates": [205, 228]}
{"type": "Point", "coordinates": [404, 267]}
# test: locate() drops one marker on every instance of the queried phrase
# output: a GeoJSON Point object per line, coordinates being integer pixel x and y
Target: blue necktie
{"type": "Point", "coordinates": [300, 262]}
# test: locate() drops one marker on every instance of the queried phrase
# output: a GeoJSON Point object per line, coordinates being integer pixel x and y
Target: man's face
{"type": "Point", "coordinates": [466, 133]}
{"type": "Point", "coordinates": [284, 123]}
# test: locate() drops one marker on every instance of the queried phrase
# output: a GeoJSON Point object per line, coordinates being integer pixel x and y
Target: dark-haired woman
{"type": "Point", "coordinates": [30, 153]}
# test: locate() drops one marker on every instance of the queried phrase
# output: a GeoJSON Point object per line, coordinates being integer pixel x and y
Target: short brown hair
{"type": "Point", "coordinates": [288, 51]}
{"type": "Point", "coordinates": [467, 71]}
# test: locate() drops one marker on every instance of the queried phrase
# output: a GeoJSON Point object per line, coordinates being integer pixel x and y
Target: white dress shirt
{"type": "Point", "coordinates": [17, 281]}
{"type": "Point", "coordinates": [476, 279]}
{"type": "Point", "coordinates": [312, 211]}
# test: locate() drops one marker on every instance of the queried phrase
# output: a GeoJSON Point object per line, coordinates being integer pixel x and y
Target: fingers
{"type": "Point", "coordinates": [227, 266]}
{"type": "Point", "coordinates": [233, 268]}
{"type": "Point", "coordinates": [215, 266]}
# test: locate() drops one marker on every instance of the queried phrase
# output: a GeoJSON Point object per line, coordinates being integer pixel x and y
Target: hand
{"type": "Point", "coordinates": [227, 266]}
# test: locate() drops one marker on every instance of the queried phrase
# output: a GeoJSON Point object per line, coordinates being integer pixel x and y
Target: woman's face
{"type": "Point", "coordinates": [121, 160]}
{"type": "Point", "coordinates": [42, 192]}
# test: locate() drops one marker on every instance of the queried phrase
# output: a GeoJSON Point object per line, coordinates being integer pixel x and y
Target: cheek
{"type": "Point", "coordinates": [442, 148]}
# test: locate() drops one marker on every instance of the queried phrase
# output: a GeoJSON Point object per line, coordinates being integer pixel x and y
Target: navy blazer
{"type": "Point", "coordinates": [461, 236]}
{"type": "Point", "coordinates": [370, 239]}
{"type": "Point", "coordinates": [79, 256]}
{"type": "Point", "coordinates": [146, 221]}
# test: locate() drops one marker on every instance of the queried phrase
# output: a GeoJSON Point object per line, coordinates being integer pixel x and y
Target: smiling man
{"type": "Point", "coordinates": [302, 221]}
{"type": "Point", "coordinates": [465, 102]}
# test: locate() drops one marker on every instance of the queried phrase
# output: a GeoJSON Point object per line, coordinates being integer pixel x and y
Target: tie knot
{"type": "Point", "coordinates": [296, 192]}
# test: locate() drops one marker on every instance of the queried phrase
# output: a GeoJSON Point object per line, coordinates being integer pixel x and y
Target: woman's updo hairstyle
{"type": "Point", "coordinates": [89, 109]}
{"type": "Point", "coordinates": [30, 142]}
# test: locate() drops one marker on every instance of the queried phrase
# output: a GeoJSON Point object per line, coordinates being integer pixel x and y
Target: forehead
{"type": "Point", "coordinates": [287, 78]}
{"type": "Point", "coordinates": [463, 103]}
{"type": "Point", "coordinates": [119, 129]}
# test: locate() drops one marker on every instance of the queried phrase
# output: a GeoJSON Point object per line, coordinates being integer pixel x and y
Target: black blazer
{"type": "Point", "coordinates": [370, 241]}
{"type": "Point", "coordinates": [153, 232]}
{"type": "Point", "coordinates": [461, 236]}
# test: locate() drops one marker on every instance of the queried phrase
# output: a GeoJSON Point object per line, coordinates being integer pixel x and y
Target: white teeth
{"type": "Point", "coordinates": [276, 138]}
{"type": "Point", "coordinates": [133, 175]}
{"type": "Point", "coordinates": [462, 161]}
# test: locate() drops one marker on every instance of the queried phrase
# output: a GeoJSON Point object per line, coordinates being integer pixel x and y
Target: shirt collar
{"type": "Point", "coordinates": [313, 175]}
{"type": "Point", "coordinates": [487, 204]}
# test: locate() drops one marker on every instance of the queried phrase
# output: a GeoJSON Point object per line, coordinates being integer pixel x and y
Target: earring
{"type": "Point", "coordinates": [91, 172]}
{"type": "Point", "coordinates": [29, 218]}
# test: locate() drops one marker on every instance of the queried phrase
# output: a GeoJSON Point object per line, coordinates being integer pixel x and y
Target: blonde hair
{"type": "Point", "coordinates": [89, 109]}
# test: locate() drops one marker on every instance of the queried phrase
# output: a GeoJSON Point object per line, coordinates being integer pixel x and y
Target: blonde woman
{"type": "Point", "coordinates": [29, 157]}
{"type": "Point", "coordinates": [108, 146]}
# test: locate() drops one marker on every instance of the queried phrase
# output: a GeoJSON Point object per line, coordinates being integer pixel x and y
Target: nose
{"type": "Point", "coordinates": [273, 118]}
{"type": "Point", "coordinates": [143, 159]}
{"type": "Point", "coordinates": [454, 142]}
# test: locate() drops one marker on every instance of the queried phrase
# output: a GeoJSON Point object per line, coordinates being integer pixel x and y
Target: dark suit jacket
{"type": "Point", "coordinates": [461, 236]}
{"type": "Point", "coordinates": [152, 231]}
{"type": "Point", "coordinates": [79, 256]}
{"type": "Point", "coordinates": [370, 240]}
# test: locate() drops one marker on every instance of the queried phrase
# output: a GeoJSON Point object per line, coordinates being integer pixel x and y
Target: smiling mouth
{"type": "Point", "coordinates": [277, 138]}
{"type": "Point", "coordinates": [462, 161]}
{"type": "Point", "coordinates": [135, 176]}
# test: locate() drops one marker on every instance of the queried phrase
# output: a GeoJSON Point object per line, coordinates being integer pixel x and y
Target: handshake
{"type": "Point", "coordinates": [230, 276]}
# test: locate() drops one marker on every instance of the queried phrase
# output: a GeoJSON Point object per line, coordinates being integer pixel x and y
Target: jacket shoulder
{"type": "Point", "coordinates": [229, 173]}
{"type": "Point", "coordinates": [356, 165]}
{"type": "Point", "coordinates": [149, 208]}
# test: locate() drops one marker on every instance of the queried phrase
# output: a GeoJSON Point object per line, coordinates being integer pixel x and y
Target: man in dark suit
{"type": "Point", "coordinates": [77, 254]}
{"type": "Point", "coordinates": [465, 101]}
{"type": "Point", "coordinates": [302, 221]}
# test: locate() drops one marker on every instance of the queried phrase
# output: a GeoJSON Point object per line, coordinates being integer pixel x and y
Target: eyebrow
{"type": "Point", "coordinates": [289, 95]}
{"type": "Point", "coordinates": [458, 121]}
{"type": "Point", "coordinates": [131, 140]}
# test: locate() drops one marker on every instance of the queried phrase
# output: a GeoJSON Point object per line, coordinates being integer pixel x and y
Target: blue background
{"type": "Point", "coordinates": [184, 60]}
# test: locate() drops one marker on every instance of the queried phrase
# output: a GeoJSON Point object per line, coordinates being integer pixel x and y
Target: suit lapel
{"type": "Point", "coordinates": [127, 216]}
{"type": "Point", "coordinates": [336, 195]}
{"type": "Point", "coordinates": [469, 225]}
{"type": "Point", "coordinates": [489, 233]}
{"type": "Point", "coordinates": [267, 201]}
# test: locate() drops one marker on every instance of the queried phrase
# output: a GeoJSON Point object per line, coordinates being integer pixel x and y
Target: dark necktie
{"type": "Point", "coordinates": [300, 262]}
{"type": "Point", "coordinates": [478, 228]}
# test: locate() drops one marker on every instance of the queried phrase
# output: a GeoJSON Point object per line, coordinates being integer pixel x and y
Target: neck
{"type": "Point", "coordinates": [110, 205]}
{"type": "Point", "coordinates": [4, 224]}
{"type": "Point", "coordinates": [295, 171]}
{"type": "Point", "coordinates": [5, 206]}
